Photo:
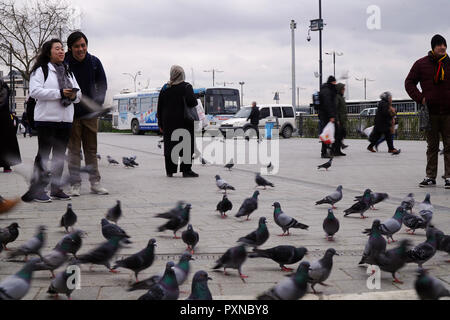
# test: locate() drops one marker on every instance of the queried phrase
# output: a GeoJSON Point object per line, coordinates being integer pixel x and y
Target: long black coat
{"type": "Point", "coordinates": [327, 108]}
{"type": "Point", "coordinates": [9, 148]}
{"type": "Point", "coordinates": [383, 118]}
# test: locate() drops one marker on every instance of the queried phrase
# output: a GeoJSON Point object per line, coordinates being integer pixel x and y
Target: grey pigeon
{"type": "Point", "coordinates": [16, 286]}
{"type": "Point", "coordinates": [127, 162]}
{"type": "Point", "coordinates": [293, 287]}
{"type": "Point", "coordinates": [423, 251]}
{"type": "Point", "coordinates": [270, 167]}
{"type": "Point", "coordinates": [111, 160]}
{"type": "Point", "coordinates": [133, 161]}
{"type": "Point", "coordinates": [9, 234]}
{"type": "Point", "coordinates": [114, 213]}
{"type": "Point", "coordinates": [428, 287]}
{"type": "Point", "coordinates": [167, 284]}
{"type": "Point", "coordinates": [223, 185]}
{"type": "Point", "coordinates": [282, 255]}
{"type": "Point", "coordinates": [332, 198]}
{"type": "Point", "coordinates": [190, 237]}
{"type": "Point", "coordinates": [32, 246]}
{"type": "Point", "coordinates": [320, 270]}
{"type": "Point", "coordinates": [394, 259]}
{"type": "Point", "coordinates": [200, 290]}
{"type": "Point", "coordinates": [140, 260]}
{"type": "Point", "coordinates": [55, 259]}
{"type": "Point", "coordinates": [375, 197]}
{"type": "Point", "coordinates": [284, 221]}
{"type": "Point", "coordinates": [257, 237]}
{"type": "Point", "coordinates": [443, 240]}
{"type": "Point", "coordinates": [72, 242]}
{"type": "Point", "coordinates": [59, 284]}
{"type": "Point", "coordinates": [375, 245]}
{"type": "Point", "coordinates": [408, 202]}
{"type": "Point", "coordinates": [330, 225]}
{"type": "Point", "coordinates": [261, 182]}
{"type": "Point", "coordinates": [248, 206]}
{"type": "Point", "coordinates": [393, 225]}
{"type": "Point", "coordinates": [325, 165]}
{"type": "Point", "coordinates": [177, 222]}
{"type": "Point", "coordinates": [110, 230]}
{"type": "Point", "coordinates": [426, 209]}
{"type": "Point", "coordinates": [233, 258]}
{"type": "Point", "coordinates": [229, 165]}
{"type": "Point", "coordinates": [223, 206]}
{"type": "Point", "coordinates": [414, 222]}
{"type": "Point", "coordinates": [361, 206]}
{"type": "Point", "coordinates": [69, 218]}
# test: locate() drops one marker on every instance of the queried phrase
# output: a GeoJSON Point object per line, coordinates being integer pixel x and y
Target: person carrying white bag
{"type": "Point", "coordinates": [328, 134]}
{"type": "Point", "coordinates": [327, 115]}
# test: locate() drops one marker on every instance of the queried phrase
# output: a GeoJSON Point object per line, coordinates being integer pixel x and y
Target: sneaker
{"type": "Point", "coordinates": [75, 190]}
{"type": "Point", "coordinates": [59, 195]}
{"type": "Point", "coordinates": [427, 182]}
{"type": "Point", "coordinates": [42, 198]}
{"type": "Point", "coordinates": [447, 184]}
{"type": "Point", "coordinates": [370, 149]}
{"type": "Point", "coordinates": [7, 169]}
{"type": "Point", "coordinates": [98, 189]}
{"type": "Point", "coordinates": [169, 175]}
{"type": "Point", "coordinates": [190, 174]}
{"type": "Point", "coordinates": [394, 151]}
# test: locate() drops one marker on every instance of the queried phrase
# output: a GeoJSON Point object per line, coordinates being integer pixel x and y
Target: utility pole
{"type": "Point", "coordinates": [213, 74]}
{"type": "Point", "coordinates": [334, 53]}
{"type": "Point", "coordinates": [365, 85]}
{"type": "Point", "coordinates": [293, 27]}
{"type": "Point", "coordinates": [320, 44]}
{"type": "Point", "coordinates": [242, 92]}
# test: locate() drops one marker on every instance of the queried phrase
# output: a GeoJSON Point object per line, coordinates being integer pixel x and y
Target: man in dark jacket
{"type": "Point", "coordinates": [341, 121]}
{"type": "Point", "coordinates": [433, 74]}
{"type": "Point", "coordinates": [254, 118]}
{"type": "Point", "coordinates": [91, 78]}
{"type": "Point", "coordinates": [327, 110]}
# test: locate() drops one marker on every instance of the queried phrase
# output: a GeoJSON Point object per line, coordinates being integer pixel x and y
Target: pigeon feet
{"type": "Point", "coordinates": [397, 281]}
{"type": "Point", "coordinates": [330, 238]}
{"type": "Point", "coordinates": [175, 237]}
{"type": "Point", "coordinates": [113, 271]}
{"type": "Point", "coordinates": [286, 269]}
{"type": "Point", "coordinates": [363, 217]}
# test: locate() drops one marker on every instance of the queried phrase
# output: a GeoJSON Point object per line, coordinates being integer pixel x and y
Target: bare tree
{"type": "Point", "coordinates": [25, 27]}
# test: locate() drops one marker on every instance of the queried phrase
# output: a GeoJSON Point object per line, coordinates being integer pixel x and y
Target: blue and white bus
{"type": "Point", "coordinates": [137, 110]}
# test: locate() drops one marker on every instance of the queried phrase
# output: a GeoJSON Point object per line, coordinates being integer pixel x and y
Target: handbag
{"type": "Point", "coordinates": [190, 114]}
{"type": "Point", "coordinates": [424, 117]}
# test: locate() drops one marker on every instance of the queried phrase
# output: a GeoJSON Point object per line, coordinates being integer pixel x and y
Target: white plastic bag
{"type": "Point", "coordinates": [22, 128]}
{"type": "Point", "coordinates": [327, 135]}
{"type": "Point", "coordinates": [368, 131]}
{"type": "Point", "coordinates": [202, 120]}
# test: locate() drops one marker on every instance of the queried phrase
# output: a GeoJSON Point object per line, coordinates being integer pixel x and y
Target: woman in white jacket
{"type": "Point", "coordinates": [56, 90]}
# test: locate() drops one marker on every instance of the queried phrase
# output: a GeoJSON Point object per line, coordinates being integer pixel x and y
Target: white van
{"type": "Point", "coordinates": [284, 115]}
{"type": "Point", "coordinates": [369, 112]}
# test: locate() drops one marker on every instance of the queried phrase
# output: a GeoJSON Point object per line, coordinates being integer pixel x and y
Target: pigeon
{"type": "Point", "coordinates": [443, 240]}
{"type": "Point", "coordinates": [59, 284]}
{"type": "Point", "coordinates": [284, 221]}
{"type": "Point", "coordinates": [69, 218]}
{"type": "Point", "coordinates": [414, 222]}
{"type": "Point", "coordinates": [174, 212]}
{"type": "Point", "coordinates": [248, 206]}
{"type": "Point", "coordinates": [233, 258]}
{"type": "Point", "coordinates": [229, 165]}
{"type": "Point", "coordinates": [55, 259]}
{"type": "Point", "coordinates": [167, 285]}
{"type": "Point", "coordinates": [190, 237]}
{"type": "Point", "coordinates": [257, 237]}
{"type": "Point", "coordinates": [72, 241]}
{"type": "Point", "coordinates": [111, 160]}
{"type": "Point", "coordinates": [394, 259]}
{"type": "Point", "coordinates": [375, 245]}
{"type": "Point", "coordinates": [361, 206]}
{"type": "Point", "coordinates": [326, 165]}
{"type": "Point", "coordinates": [114, 213]}
{"type": "Point", "coordinates": [223, 206]}
{"type": "Point", "coordinates": [204, 162]}
{"type": "Point", "coordinates": [332, 198]}
{"type": "Point", "coordinates": [7, 204]}
{"type": "Point", "coordinates": [261, 182]}
{"type": "Point", "coordinates": [16, 286]}
{"type": "Point", "coordinates": [426, 209]}
{"type": "Point", "coordinates": [408, 202]}
{"type": "Point", "coordinates": [423, 251]}
{"type": "Point", "coordinates": [127, 162]}
{"type": "Point", "coordinates": [181, 270]}
{"type": "Point", "coordinates": [101, 254]}
{"type": "Point", "coordinates": [32, 246]}
{"type": "Point", "coordinates": [330, 225]}
{"type": "Point", "coordinates": [375, 197]}
{"type": "Point", "coordinates": [428, 287]}
{"type": "Point", "coordinates": [177, 222]}
{"type": "Point", "coordinates": [99, 157]}
{"type": "Point", "coordinates": [40, 179]}
{"type": "Point", "coordinates": [133, 161]}
{"type": "Point", "coordinates": [393, 225]}
{"type": "Point", "coordinates": [270, 167]}
{"type": "Point", "coordinates": [223, 185]}
{"type": "Point", "coordinates": [293, 287]}
{"type": "Point", "coordinates": [138, 261]}
{"type": "Point", "coordinates": [9, 234]}
{"type": "Point", "coordinates": [320, 270]}
{"type": "Point", "coordinates": [110, 230]}
{"type": "Point", "coordinates": [200, 290]}
{"type": "Point", "coordinates": [160, 142]}
{"type": "Point", "coordinates": [282, 255]}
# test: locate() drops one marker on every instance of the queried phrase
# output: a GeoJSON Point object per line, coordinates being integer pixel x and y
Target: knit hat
{"type": "Point", "coordinates": [437, 40]}
{"type": "Point", "coordinates": [331, 79]}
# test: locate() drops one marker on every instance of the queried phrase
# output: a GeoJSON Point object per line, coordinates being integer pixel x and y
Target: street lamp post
{"type": "Point", "coordinates": [334, 53]}
{"type": "Point", "coordinates": [213, 74]}
{"type": "Point", "coordinates": [224, 83]}
{"type": "Point", "coordinates": [317, 25]}
{"type": "Point", "coordinates": [293, 27]}
{"type": "Point", "coordinates": [242, 92]}
{"type": "Point", "coordinates": [133, 77]}
{"type": "Point", "coordinates": [365, 85]}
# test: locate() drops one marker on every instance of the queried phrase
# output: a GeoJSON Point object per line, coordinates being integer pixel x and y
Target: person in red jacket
{"type": "Point", "coordinates": [433, 74]}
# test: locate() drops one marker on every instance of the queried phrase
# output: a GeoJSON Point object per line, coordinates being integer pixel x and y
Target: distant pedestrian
{"type": "Point", "coordinates": [254, 118]}
{"type": "Point", "coordinates": [383, 123]}
{"type": "Point", "coordinates": [173, 97]}
{"type": "Point", "coordinates": [26, 124]}
{"type": "Point", "coordinates": [327, 110]}
{"type": "Point", "coordinates": [56, 90]}
{"type": "Point", "coordinates": [9, 147]}
{"type": "Point", "coordinates": [433, 74]}
{"type": "Point", "coordinates": [341, 120]}
{"type": "Point", "coordinates": [90, 76]}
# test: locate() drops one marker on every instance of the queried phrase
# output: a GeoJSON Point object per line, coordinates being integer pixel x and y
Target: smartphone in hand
{"type": "Point", "coordinates": [75, 89]}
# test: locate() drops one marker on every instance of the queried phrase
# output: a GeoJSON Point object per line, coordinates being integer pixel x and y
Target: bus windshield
{"type": "Point", "coordinates": [222, 101]}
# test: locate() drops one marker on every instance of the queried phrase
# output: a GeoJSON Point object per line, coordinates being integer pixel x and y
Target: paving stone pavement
{"type": "Point", "coordinates": [145, 191]}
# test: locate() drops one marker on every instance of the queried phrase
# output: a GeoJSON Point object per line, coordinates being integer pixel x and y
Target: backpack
{"type": "Point", "coordinates": [316, 100]}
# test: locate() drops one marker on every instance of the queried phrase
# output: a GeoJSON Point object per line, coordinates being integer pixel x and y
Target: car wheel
{"type": "Point", "coordinates": [287, 132]}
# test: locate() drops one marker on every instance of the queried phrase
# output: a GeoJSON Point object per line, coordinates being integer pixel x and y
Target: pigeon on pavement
{"type": "Point", "coordinates": [200, 290]}
{"type": "Point", "coordinates": [361, 206]}
{"type": "Point", "coordinates": [282, 255]}
{"type": "Point", "coordinates": [223, 206]}
{"type": "Point", "coordinates": [330, 225]}
{"type": "Point", "coordinates": [326, 165]}
{"type": "Point", "coordinates": [394, 259]}
{"type": "Point", "coordinates": [9, 234]}
{"type": "Point", "coordinates": [229, 165]}
{"type": "Point", "coordinates": [55, 259]}
{"type": "Point", "coordinates": [167, 285]}
{"type": "Point", "coordinates": [32, 246]}
{"type": "Point", "coordinates": [114, 213]}
{"type": "Point", "coordinates": [223, 185]}
{"type": "Point", "coordinates": [257, 237]}
{"type": "Point", "coordinates": [233, 258]}
{"type": "Point", "coordinates": [248, 206]}
{"type": "Point", "coordinates": [16, 286]}
{"type": "Point", "coordinates": [284, 221]}
{"type": "Point", "coordinates": [127, 162]}
{"type": "Point", "coordinates": [320, 270]}
{"type": "Point", "coordinates": [423, 251]}
{"type": "Point", "coordinates": [375, 245]}
{"type": "Point", "coordinates": [428, 287]}
{"type": "Point", "coordinates": [72, 242]}
{"type": "Point", "coordinates": [110, 230]}
{"type": "Point", "coordinates": [111, 160]}
{"type": "Point", "coordinates": [190, 237]}
{"type": "Point", "coordinates": [177, 222]}
{"type": "Point", "coordinates": [69, 218]}
{"type": "Point", "coordinates": [332, 198]}
{"type": "Point", "coordinates": [261, 182]}
{"type": "Point", "coordinates": [393, 225]}
{"type": "Point", "coordinates": [408, 202]}
{"type": "Point", "coordinates": [59, 284]}
{"type": "Point", "coordinates": [375, 197]}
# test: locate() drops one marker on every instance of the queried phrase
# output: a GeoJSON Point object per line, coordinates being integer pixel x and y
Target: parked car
{"type": "Point", "coordinates": [369, 112]}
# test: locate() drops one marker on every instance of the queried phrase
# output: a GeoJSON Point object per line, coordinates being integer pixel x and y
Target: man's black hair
{"type": "Point", "coordinates": [74, 37]}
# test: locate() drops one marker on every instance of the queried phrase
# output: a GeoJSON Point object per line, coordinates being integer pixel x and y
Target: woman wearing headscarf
{"type": "Point", "coordinates": [171, 116]}
{"type": "Point", "coordinates": [9, 148]}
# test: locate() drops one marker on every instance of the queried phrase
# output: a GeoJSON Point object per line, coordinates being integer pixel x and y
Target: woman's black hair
{"type": "Point", "coordinates": [44, 55]}
{"type": "Point", "coordinates": [74, 37]}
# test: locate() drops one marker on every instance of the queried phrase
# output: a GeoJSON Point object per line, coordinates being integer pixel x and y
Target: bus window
{"type": "Point", "coordinates": [145, 104]}
{"type": "Point", "coordinates": [221, 101]}
{"type": "Point", "coordinates": [154, 103]}
{"type": "Point", "coordinates": [133, 106]}
{"type": "Point", "coordinates": [123, 105]}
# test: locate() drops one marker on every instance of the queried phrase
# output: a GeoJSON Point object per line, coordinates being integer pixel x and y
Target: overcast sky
{"type": "Point", "coordinates": [250, 41]}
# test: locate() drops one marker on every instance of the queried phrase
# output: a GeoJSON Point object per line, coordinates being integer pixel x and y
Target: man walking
{"type": "Point", "coordinates": [254, 118]}
{"type": "Point", "coordinates": [88, 71]}
{"type": "Point", "coordinates": [433, 74]}
{"type": "Point", "coordinates": [327, 110]}
{"type": "Point", "coordinates": [342, 119]}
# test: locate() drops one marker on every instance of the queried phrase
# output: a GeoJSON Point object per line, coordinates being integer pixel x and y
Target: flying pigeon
{"type": "Point", "coordinates": [332, 198]}
{"type": "Point", "coordinates": [69, 218]}
{"type": "Point", "coordinates": [224, 205]}
{"type": "Point", "coordinates": [257, 237]}
{"type": "Point", "coordinates": [233, 258]}
{"type": "Point", "coordinates": [284, 221]}
{"type": "Point", "coordinates": [394, 259]}
{"type": "Point", "coordinates": [393, 225]}
{"type": "Point", "coordinates": [223, 185]}
{"type": "Point", "coordinates": [16, 286]}
{"type": "Point", "coordinates": [408, 202]}
{"type": "Point", "coordinates": [375, 245]}
{"type": "Point", "coordinates": [261, 182]}
{"type": "Point", "coordinates": [114, 213]}
{"type": "Point", "coordinates": [32, 246]}
{"type": "Point", "coordinates": [166, 288]}
{"type": "Point", "coordinates": [190, 237]}
{"type": "Point", "coordinates": [111, 160]}
{"type": "Point", "coordinates": [361, 206]}
{"type": "Point", "coordinates": [40, 179]}
{"type": "Point", "coordinates": [200, 290]}
{"type": "Point", "coordinates": [375, 197]}
{"type": "Point", "coordinates": [229, 165]}
{"type": "Point", "coordinates": [330, 225]}
{"type": "Point", "coordinates": [423, 251]}
{"type": "Point", "coordinates": [428, 287]}
{"type": "Point", "coordinates": [248, 206]}
{"type": "Point", "coordinates": [9, 234]}
{"type": "Point", "coordinates": [177, 222]}
{"type": "Point", "coordinates": [282, 255]}
{"type": "Point", "coordinates": [326, 165]}
{"type": "Point", "coordinates": [289, 288]}
{"type": "Point", "coordinates": [320, 270]}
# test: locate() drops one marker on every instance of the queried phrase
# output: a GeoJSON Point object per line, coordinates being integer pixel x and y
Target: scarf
{"type": "Point", "coordinates": [177, 75]}
{"type": "Point", "coordinates": [440, 74]}
{"type": "Point", "coordinates": [63, 81]}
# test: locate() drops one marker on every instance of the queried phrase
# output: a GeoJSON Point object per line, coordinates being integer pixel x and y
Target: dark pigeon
{"type": "Point", "coordinates": [408, 202]}
{"type": "Point", "coordinates": [330, 225]}
{"type": "Point", "coordinates": [200, 290]}
{"type": "Point", "coordinates": [423, 251]}
{"type": "Point", "coordinates": [361, 206]}
{"type": "Point", "coordinates": [261, 182]}
{"type": "Point", "coordinates": [127, 162]}
{"type": "Point", "coordinates": [69, 218]}
{"type": "Point", "coordinates": [248, 206]}
{"type": "Point", "coordinates": [177, 222]}
{"type": "Point", "coordinates": [223, 206]}
{"type": "Point", "coordinates": [233, 258]}
{"type": "Point", "coordinates": [167, 285]}
{"type": "Point", "coordinates": [140, 260]}
{"type": "Point", "coordinates": [114, 213]}
{"type": "Point", "coordinates": [9, 234]}
{"type": "Point", "coordinates": [326, 165]}
{"type": "Point", "coordinates": [394, 259]}
{"type": "Point", "coordinates": [257, 237]}
{"type": "Point", "coordinates": [428, 287]}
{"type": "Point", "coordinates": [375, 245]}
{"type": "Point", "coordinates": [282, 255]}
{"type": "Point", "coordinates": [375, 197]}
{"type": "Point", "coordinates": [111, 160]}
{"type": "Point", "coordinates": [229, 165]}
{"type": "Point", "coordinates": [110, 230]}
{"type": "Point", "coordinates": [284, 221]}
{"type": "Point", "coordinates": [72, 242]}
{"type": "Point", "coordinates": [190, 237]}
